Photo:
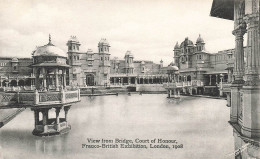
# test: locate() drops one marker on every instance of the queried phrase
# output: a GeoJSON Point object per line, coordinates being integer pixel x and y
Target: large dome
{"type": "Point", "coordinates": [49, 50]}
{"type": "Point", "coordinates": [186, 42]}
{"type": "Point", "coordinates": [176, 46]}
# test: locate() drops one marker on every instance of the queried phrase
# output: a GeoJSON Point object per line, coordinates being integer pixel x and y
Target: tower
{"type": "Point", "coordinates": [129, 66]}
{"type": "Point", "coordinates": [74, 61]}
{"type": "Point", "coordinates": [161, 64]}
{"type": "Point", "coordinates": [104, 64]}
{"type": "Point", "coordinates": [200, 44]}
{"type": "Point", "coordinates": [177, 51]}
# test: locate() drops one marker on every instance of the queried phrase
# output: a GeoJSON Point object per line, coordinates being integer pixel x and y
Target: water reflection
{"type": "Point", "coordinates": [200, 124]}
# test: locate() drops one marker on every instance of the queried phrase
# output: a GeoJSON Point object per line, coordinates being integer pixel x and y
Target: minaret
{"type": "Point", "coordinates": [200, 44]}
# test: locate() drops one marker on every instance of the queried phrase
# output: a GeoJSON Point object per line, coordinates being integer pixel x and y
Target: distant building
{"type": "Point", "coordinates": [197, 64]}
{"type": "Point", "coordinates": [98, 69]}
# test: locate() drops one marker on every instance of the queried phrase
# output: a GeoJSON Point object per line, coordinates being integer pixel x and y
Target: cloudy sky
{"type": "Point", "coordinates": [148, 28]}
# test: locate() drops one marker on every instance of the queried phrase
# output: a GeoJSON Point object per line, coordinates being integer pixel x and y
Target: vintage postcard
{"type": "Point", "coordinates": [129, 79]}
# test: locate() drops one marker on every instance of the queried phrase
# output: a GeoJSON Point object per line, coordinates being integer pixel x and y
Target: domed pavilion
{"type": "Point", "coordinates": [49, 67]}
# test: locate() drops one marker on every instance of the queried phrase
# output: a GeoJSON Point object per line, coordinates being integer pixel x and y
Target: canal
{"type": "Point", "coordinates": [200, 124]}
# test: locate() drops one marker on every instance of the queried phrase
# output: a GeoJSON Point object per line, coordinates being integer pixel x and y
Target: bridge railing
{"type": "Point", "coordinates": [22, 99]}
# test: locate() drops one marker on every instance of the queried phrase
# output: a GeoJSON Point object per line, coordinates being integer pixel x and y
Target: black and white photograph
{"type": "Point", "coordinates": [129, 79]}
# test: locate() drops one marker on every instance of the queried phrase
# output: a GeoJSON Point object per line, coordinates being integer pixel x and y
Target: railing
{"type": "Point", "coordinates": [183, 84]}
{"type": "Point", "coordinates": [24, 99]}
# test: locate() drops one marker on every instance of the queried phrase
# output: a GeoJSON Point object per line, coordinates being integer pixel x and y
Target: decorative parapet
{"type": "Point", "coordinates": [34, 99]}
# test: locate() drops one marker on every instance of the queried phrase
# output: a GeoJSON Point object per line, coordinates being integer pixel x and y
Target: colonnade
{"type": "Point", "coordinates": [56, 79]}
{"type": "Point", "coordinates": [138, 80]}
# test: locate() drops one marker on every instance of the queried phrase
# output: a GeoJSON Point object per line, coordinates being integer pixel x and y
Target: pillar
{"type": "Point", "coordinates": [64, 77]}
{"type": "Point", "coordinates": [221, 86]}
{"type": "Point", "coordinates": [237, 84]}
{"type": "Point", "coordinates": [129, 80]}
{"type": "Point", "coordinates": [57, 79]}
{"type": "Point", "coordinates": [45, 119]}
{"type": "Point", "coordinates": [216, 79]}
{"type": "Point", "coordinates": [57, 111]}
{"type": "Point", "coordinates": [210, 80]}
{"type": "Point", "coordinates": [66, 110]}
{"type": "Point", "coordinates": [44, 79]}
{"type": "Point", "coordinates": [251, 89]}
{"type": "Point", "coordinates": [228, 99]}
{"type": "Point", "coordinates": [36, 117]}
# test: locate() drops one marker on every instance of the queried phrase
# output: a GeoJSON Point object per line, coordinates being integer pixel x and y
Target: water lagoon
{"type": "Point", "coordinates": [200, 124]}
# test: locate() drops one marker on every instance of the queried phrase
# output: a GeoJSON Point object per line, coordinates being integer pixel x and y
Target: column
{"type": "Point", "coordinates": [216, 79]}
{"type": "Point", "coordinates": [64, 77]}
{"type": "Point", "coordinates": [221, 86]}
{"type": "Point", "coordinates": [66, 110]}
{"type": "Point", "coordinates": [35, 70]}
{"type": "Point", "coordinates": [44, 79]}
{"type": "Point", "coordinates": [129, 80]}
{"type": "Point", "coordinates": [239, 52]}
{"type": "Point", "coordinates": [229, 76]}
{"type": "Point", "coordinates": [238, 72]}
{"type": "Point", "coordinates": [36, 117]}
{"type": "Point", "coordinates": [251, 90]}
{"type": "Point", "coordinates": [210, 80]}
{"type": "Point", "coordinates": [45, 119]}
{"type": "Point", "coordinates": [57, 111]}
{"type": "Point", "coordinates": [57, 79]}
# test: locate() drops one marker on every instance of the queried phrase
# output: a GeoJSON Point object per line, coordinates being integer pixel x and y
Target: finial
{"type": "Point", "coordinates": [199, 35]}
{"type": "Point", "coordinates": [50, 38]}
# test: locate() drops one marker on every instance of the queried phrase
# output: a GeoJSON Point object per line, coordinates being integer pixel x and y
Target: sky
{"type": "Point", "coordinates": [148, 28]}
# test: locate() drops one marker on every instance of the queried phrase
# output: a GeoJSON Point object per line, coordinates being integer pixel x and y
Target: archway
{"type": "Point", "coordinates": [28, 82]}
{"type": "Point", "coordinates": [4, 83]}
{"type": "Point", "coordinates": [188, 78]}
{"type": "Point", "coordinates": [13, 83]}
{"type": "Point", "coordinates": [21, 83]}
{"type": "Point", "coordinates": [90, 80]}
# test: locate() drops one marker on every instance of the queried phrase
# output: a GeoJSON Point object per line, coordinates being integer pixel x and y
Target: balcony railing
{"type": "Point", "coordinates": [34, 99]}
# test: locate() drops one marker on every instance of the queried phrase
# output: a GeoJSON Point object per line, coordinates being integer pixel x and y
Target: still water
{"type": "Point", "coordinates": [200, 124]}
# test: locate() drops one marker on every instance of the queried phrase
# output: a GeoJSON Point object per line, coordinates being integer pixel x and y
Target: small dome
{"type": "Point", "coordinates": [73, 39]}
{"type": "Point", "coordinates": [142, 62]}
{"type": "Point", "coordinates": [177, 46]}
{"type": "Point", "coordinates": [103, 42]}
{"type": "Point", "coordinates": [128, 53]}
{"type": "Point", "coordinates": [14, 59]}
{"type": "Point", "coordinates": [174, 68]}
{"type": "Point", "coordinates": [200, 40]}
{"type": "Point", "coordinates": [49, 50]}
{"type": "Point", "coordinates": [186, 42]}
